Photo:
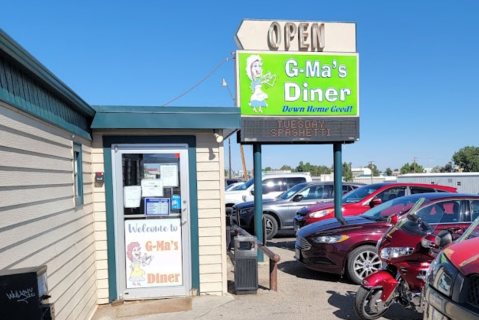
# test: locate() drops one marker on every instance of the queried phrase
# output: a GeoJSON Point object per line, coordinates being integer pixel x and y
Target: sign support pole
{"type": "Point", "coordinates": [258, 198]}
{"type": "Point", "coordinates": [338, 185]}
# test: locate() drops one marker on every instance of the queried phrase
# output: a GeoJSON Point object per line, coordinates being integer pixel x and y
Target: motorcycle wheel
{"type": "Point", "coordinates": [365, 305]}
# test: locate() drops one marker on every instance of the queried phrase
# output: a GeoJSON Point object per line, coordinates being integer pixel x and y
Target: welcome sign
{"type": "Point", "coordinates": [297, 84]}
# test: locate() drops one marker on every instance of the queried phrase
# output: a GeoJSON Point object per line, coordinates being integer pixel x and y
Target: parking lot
{"type": "Point", "coordinates": [302, 293]}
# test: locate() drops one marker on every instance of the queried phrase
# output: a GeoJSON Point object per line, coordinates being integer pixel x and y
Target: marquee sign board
{"type": "Point", "coordinates": [298, 97]}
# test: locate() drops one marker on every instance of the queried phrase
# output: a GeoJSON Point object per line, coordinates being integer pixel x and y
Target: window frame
{"type": "Point", "coordinates": [77, 174]}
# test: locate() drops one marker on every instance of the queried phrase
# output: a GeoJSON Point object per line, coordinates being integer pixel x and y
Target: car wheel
{"type": "Point", "coordinates": [362, 262]}
{"type": "Point", "coordinates": [271, 226]}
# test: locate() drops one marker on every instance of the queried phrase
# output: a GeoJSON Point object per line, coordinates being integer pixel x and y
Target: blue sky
{"type": "Point", "coordinates": [419, 69]}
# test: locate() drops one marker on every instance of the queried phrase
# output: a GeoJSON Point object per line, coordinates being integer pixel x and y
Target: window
{"type": "Point", "coordinates": [273, 185]}
{"type": "Point", "coordinates": [291, 182]}
{"type": "Point", "coordinates": [391, 193]}
{"type": "Point", "coordinates": [78, 174]}
{"type": "Point", "coordinates": [415, 190]}
{"type": "Point", "coordinates": [441, 212]}
{"type": "Point", "coordinates": [474, 209]}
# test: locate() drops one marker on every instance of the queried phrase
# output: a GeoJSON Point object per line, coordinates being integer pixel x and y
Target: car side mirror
{"type": "Point", "coordinates": [375, 202]}
{"type": "Point", "coordinates": [443, 238]}
{"type": "Point", "coordinates": [298, 198]}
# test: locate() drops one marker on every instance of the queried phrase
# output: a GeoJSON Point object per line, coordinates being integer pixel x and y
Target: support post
{"type": "Point", "coordinates": [258, 198]}
{"type": "Point", "coordinates": [338, 185]}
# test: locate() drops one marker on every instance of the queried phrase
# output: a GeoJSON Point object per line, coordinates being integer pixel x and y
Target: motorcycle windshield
{"type": "Point", "coordinates": [418, 218]}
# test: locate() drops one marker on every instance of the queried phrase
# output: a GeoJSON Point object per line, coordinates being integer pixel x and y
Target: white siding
{"type": "Point", "coordinates": [40, 224]}
{"type": "Point", "coordinates": [211, 214]}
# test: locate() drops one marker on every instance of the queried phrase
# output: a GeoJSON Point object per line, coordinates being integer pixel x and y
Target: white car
{"type": "Point", "coordinates": [233, 186]}
{"type": "Point", "coordinates": [272, 186]}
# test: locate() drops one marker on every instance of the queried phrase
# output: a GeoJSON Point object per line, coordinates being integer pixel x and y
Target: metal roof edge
{"type": "Point", "coordinates": [165, 110]}
{"type": "Point", "coordinates": [16, 52]}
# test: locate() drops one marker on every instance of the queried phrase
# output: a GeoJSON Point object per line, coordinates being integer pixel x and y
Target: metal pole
{"type": "Point", "coordinates": [338, 185]}
{"type": "Point", "coordinates": [258, 198]}
{"type": "Point", "coordinates": [229, 157]}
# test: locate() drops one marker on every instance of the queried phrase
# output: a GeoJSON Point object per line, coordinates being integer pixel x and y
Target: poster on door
{"type": "Point", "coordinates": [153, 253]}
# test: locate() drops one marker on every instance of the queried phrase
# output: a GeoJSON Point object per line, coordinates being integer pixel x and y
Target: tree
{"type": "Point", "coordinates": [412, 168]}
{"type": "Point", "coordinates": [389, 172]}
{"type": "Point", "coordinates": [285, 168]}
{"type": "Point", "coordinates": [437, 169]}
{"type": "Point", "coordinates": [467, 158]}
{"type": "Point", "coordinates": [347, 172]}
{"type": "Point", "coordinates": [447, 167]}
{"type": "Point", "coordinates": [374, 169]}
{"type": "Point", "coordinates": [267, 169]}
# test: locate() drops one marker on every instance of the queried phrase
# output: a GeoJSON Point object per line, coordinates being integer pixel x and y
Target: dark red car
{"type": "Point", "coordinates": [452, 287]}
{"type": "Point", "coordinates": [362, 199]}
{"type": "Point", "coordinates": [350, 248]}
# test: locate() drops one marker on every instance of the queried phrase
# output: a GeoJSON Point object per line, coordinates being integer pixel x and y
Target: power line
{"type": "Point", "coordinates": [201, 81]}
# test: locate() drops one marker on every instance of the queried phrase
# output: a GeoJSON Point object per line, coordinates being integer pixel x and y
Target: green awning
{"type": "Point", "coordinates": [135, 117]}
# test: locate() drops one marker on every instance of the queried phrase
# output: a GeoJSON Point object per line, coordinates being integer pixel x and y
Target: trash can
{"type": "Point", "coordinates": [246, 264]}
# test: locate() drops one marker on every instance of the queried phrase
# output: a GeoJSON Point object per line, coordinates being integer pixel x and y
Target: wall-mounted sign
{"type": "Point", "coordinates": [153, 253]}
{"type": "Point", "coordinates": [280, 35]}
{"type": "Point", "coordinates": [157, 206]}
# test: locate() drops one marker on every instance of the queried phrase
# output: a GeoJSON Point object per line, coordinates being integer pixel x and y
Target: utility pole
{"type": "Point", "coordinates": [371, 167]}
{"type": "Point", "coordinates": [414, 166]}
{"type": "Point", "coordinates": [229, 156]}
{"type": "Point", "coordinates": [245, 171]}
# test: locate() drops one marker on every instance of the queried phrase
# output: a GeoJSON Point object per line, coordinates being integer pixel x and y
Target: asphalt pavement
{"type": "Point", "coordinates": [302, 294]}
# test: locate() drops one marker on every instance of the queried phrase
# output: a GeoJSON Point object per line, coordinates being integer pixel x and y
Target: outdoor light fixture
{"type": "Point", "coordinates": [219, 138]}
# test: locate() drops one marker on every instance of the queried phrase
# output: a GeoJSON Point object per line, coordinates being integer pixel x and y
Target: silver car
{"type": "Point", "coordinates": [278, 213]}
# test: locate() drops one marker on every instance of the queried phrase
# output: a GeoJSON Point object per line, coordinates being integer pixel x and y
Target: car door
{"type": "Point", "coordinates": [310, 195]}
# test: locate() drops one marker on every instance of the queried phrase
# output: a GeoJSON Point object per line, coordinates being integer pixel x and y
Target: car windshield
{"type": "Point", "coordinates": [291, 192]}
{"type": "Point", "coordinates": [245, 185]}
{"type": "Point", "coordinates": [471, 232]}
{"type": "Point", "coordinates": [360, 193]}
{"type": "Point", "coordinates": [396, 206]}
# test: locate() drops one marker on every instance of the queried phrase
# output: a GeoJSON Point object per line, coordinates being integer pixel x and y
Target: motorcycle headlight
{"type": "Point", "coordinates": [395, 252]}
{"type": "Point", "coordinates": [330, 239]}
{"type": "Point", "coordinates": [320, 214]}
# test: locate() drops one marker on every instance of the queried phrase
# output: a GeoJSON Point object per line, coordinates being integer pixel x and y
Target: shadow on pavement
{"type": "Point", "coordinates": [345, 305]}
{"type": "Point", "coordinates": [296, 269]}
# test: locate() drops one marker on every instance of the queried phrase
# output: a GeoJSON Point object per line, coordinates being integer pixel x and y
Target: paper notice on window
{"type": "Point", "coordinates": [169, 175]}
{"type": "Point", "coordinates": [151, 188]}
{"type": "Point", "coordinates": [131, 196]}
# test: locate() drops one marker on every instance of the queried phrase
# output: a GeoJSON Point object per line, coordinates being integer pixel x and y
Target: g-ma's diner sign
{"type": "Point", "coordinates": [298, 95]}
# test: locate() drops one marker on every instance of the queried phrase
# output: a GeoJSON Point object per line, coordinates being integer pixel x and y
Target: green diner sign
{"type": "Point", "coordinates": [297, 84]}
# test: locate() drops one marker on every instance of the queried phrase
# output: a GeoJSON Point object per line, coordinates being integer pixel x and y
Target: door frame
{"type": "Point", "coordinates": [189, 140]}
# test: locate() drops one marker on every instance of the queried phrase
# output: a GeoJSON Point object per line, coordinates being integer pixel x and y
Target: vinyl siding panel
{"type": "Point", "coordinates": [210, 176]}
{"type": "Point", "coordinates": [40, 224]}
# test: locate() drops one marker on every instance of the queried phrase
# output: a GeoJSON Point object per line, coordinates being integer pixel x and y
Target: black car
{"type": "Point", "coordinates": [279, 213]}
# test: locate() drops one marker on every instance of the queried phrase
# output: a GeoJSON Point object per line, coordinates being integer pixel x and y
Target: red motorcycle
{"type": "Point", "coordinates": [407, 250]}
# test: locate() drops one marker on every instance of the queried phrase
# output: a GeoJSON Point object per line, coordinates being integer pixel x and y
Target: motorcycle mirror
{"type": "Point", "coordinates": [298, 198]}
{"type": "Point", "coordinates": [429, 241]}
{"type": "Point", "coordinates": [393, 219]}
{"type": "Point", "coordinates": [443, 238]}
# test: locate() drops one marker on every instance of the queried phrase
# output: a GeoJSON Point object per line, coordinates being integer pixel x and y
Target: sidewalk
{"type": "Point", "coordinates": [302, 294]}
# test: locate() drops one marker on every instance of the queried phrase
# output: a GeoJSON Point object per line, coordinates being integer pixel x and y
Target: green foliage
{"type": "Point", "coordinates": [467, 159]}
{"type": "Point", "coordinates": [347, 172]}
{"type": "Point", "coordinates": [374, 169]}
{"type": "Point", "coordinates": [285, 167]}
{"type": "Point", "coordinates": [412, 168]}
{"type": "Point", "coordinates": [389, 172]}
{"type": "Point", "coordinates": [267, 169]}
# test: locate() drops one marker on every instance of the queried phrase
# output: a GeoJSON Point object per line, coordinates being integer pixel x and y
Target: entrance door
{"type": "Point", "coordinates": [151, 220]}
